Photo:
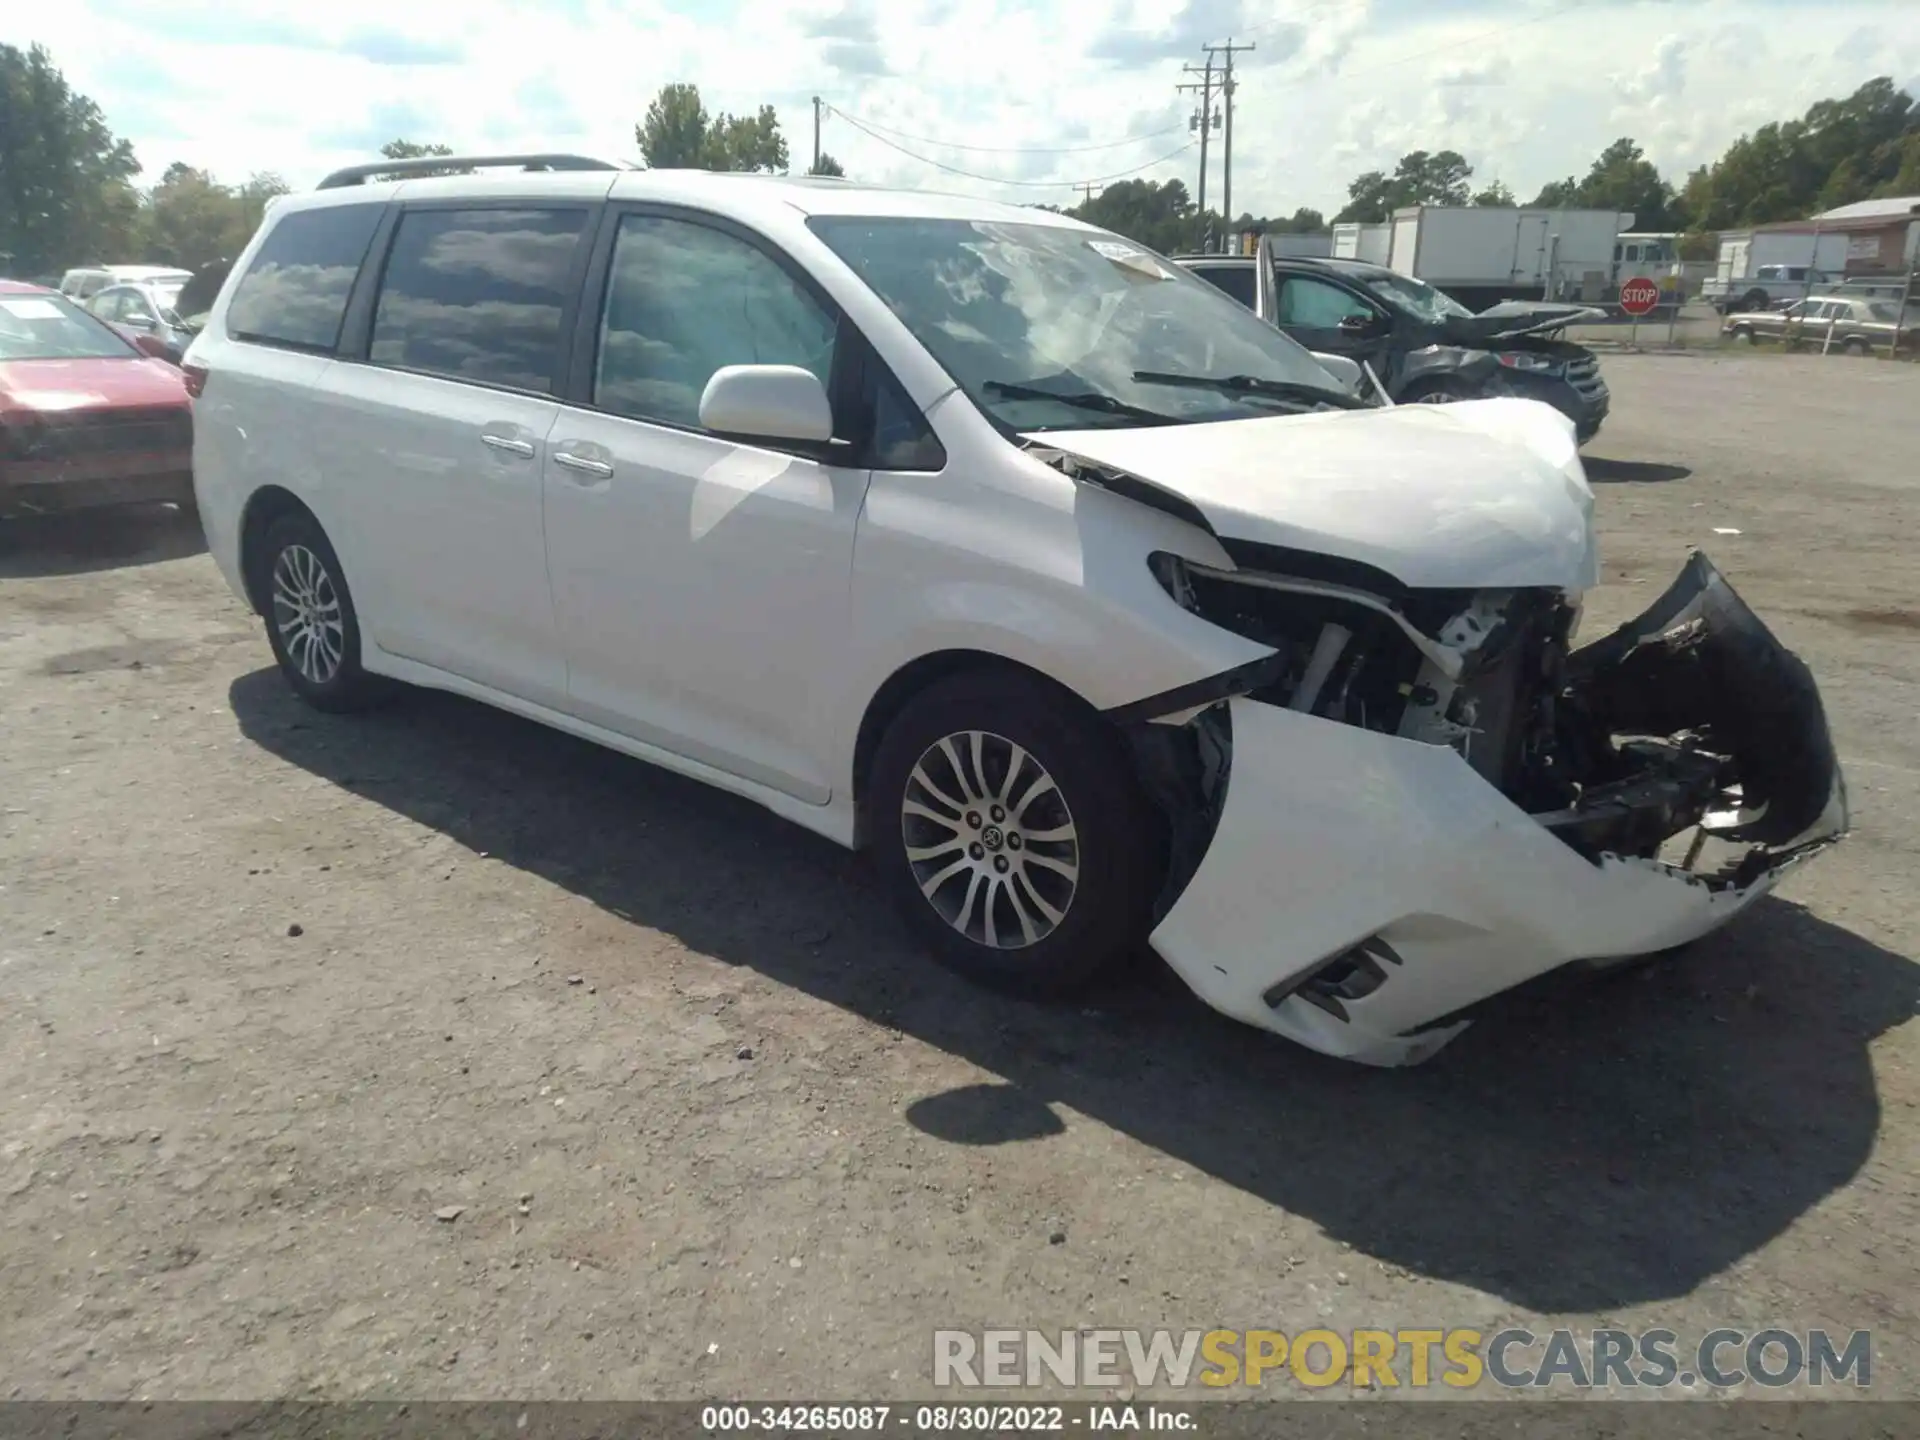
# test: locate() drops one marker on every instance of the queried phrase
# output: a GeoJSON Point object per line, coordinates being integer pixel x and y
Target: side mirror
{"type": "Point", "coordinates": [153, 347]}
{"type": "Point", "coordinates": [767, 402]}
{"type": "Point", "coordinates": [1343, 369]}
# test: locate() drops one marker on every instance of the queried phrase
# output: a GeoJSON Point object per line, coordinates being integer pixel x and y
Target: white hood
{"type": "Point", "coordinates": [1484, 494]}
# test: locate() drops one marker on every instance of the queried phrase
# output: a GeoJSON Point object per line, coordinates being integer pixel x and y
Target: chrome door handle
{"type": "Point", "coordinates": [599, 469]}
{"type": "Point", "coordinates": [522, 448]}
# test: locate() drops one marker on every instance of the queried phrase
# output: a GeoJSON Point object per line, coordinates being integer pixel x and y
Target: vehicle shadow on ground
{"type": "Point", "coordinates": [1632, 472]}
{"type": "Point", "coordinates": [1619, 1147]}
{"type": "Point", "coordinates": [82, 541]}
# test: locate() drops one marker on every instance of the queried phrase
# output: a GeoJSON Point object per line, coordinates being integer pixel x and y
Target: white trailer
{"type": "Point", "coordinates": [1371, 243]}
{"type": "Point", "coordinates": [1315, 245]}
{"type": "Point", "coordinates": [1482, 255]}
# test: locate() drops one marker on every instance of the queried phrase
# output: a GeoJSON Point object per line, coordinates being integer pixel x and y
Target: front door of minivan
{"type": "Point", "coordinates": [445, 429]}
{"type": "Point", "coordinates": [702, 584]}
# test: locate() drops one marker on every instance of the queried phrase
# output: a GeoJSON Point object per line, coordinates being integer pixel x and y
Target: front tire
{"type": "Point", "coordinates": [311, 623]}
{"type": "Point", "coordinates": [1435, 392]}
{"type": "Point", "coordinates": [1011, 832]}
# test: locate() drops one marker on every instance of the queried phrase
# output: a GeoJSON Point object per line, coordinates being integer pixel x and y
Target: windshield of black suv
{"type": "Point", "coordinates": [1415, 297]}
{"type": "Point", "coordinates": [51, 327]}
{"type": "Point", "coordinates": [1012, 311]}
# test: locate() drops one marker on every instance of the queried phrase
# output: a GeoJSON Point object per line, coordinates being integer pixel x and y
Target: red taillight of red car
{"type": "Point", "coordinates": [196, 378]}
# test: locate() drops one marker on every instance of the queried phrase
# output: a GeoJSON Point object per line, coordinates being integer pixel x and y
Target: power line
{"type": "Point", "coordinates": [1004, 149]}
{"type": "Point", "coordinates": [1001, 179]}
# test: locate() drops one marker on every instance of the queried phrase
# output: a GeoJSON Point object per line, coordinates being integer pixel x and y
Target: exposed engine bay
{"type": "Point", "coordinates": [1689, 718]}
{"type": "Point", "coordinates": [1421, 794]}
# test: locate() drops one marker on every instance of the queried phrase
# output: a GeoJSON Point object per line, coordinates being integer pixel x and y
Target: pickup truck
{"type": "Point", "coordinates": [1768, 287]}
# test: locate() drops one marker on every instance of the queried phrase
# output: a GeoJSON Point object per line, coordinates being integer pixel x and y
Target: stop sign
{"type": "Point", "coordinates": [1639, 297]}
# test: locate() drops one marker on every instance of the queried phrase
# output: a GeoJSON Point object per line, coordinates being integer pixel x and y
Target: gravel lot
{"type": "Point", "coordinates": [278, 992]}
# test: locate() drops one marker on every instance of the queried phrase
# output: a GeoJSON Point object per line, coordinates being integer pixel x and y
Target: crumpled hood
{"type": "Point", "coordinates": [1513, 318]}
{"type": "Point", "coordinates": [54, 387]}
{"type": "Point", "coordinates": [1478, 495]}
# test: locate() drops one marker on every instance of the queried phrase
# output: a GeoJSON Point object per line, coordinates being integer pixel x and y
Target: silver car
{"type": "Point", "coordinates": [1853, 327]}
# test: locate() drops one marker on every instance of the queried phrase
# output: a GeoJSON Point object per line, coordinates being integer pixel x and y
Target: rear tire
{"type": "Point", "coordinates": [311, 622]}
{"type": "Point", "coordinates": [1010, 830]}
{"type": "Point", "coordinates": [1858, 347]}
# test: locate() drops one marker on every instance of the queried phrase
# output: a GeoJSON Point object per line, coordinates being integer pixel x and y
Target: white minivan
{"type": "Point", "coordinates": [1004, 548]}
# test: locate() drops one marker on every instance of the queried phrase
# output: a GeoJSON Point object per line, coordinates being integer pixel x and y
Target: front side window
{"type": "Point", "coordinates": [1108, 334]}
{"type": "Point", "coordinates": [107, 304]}
{"type": "Point", "coordinates": [52, 327]}
{"type": "Point", "coordinates": [295, 292]}
{"type": "Point", "coordinates": [478, 295]}
{"type": "Point", "coordinates": [685, 299]}
{"type": "Point", "coordinates": [1316, 305]}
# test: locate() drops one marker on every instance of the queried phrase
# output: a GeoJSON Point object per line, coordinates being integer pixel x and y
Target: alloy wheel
{"type": "Point", "coordinates": [990, 839]}
{"type": "Point", "coordinates": [306, 612]}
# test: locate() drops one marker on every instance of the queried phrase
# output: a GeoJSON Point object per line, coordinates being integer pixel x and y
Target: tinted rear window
{"type": "Point", "coordinates": [478, 295]}
{"type": "Point", "coordinates": [1236, 280]}
{"type": "Point", "coordinates": [295, 292]}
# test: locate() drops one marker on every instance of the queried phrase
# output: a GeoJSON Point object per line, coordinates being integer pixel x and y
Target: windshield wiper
{"type": "Point", "coordinates": [1084, 400]}
{"type": "Point", "coordinates": [1253, 385]}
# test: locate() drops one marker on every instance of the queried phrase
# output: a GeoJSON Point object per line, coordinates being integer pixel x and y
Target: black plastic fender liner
{"type": "Point", "coordinates": [1227, 685]}
{"type": "Point", "coordinates": [1700, 659]}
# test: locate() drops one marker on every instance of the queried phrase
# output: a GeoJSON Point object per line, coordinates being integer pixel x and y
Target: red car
{"type": "Point", "coordinates": [87, 416]}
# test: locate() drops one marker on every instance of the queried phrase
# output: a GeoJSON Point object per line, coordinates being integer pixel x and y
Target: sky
{"type": "Point", "coordinates": [1035, 96]}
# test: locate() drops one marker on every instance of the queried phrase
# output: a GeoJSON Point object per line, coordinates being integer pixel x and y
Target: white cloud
{"type": "Point", "coordinates": [1528, 90]}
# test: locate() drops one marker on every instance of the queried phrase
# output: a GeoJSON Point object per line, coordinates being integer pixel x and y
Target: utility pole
{"type": "Point", "coordinates": [1204, 121]}
{"type": "Point", "coordinates": [1088, 189]}
{"type": "Point", "coordinates": [1229, 50]}
{"type": "Point", "coordinates": [816, 136]}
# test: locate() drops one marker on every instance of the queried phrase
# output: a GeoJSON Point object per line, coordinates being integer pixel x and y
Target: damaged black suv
{"type": "Point", "coordinates": [1424, 346]}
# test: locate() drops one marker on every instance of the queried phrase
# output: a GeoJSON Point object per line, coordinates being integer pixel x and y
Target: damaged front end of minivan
{"type": "Point", "coordinates": [1421, 799]}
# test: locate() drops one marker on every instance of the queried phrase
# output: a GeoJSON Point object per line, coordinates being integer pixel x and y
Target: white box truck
{"type": "Point", "coordinates": [1371, 243]}
{"type": "Point", "coordinates": [1482, 255]}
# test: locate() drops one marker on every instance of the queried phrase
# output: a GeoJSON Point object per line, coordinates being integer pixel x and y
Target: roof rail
{"type": "Point", "coordinates": [430, 164]}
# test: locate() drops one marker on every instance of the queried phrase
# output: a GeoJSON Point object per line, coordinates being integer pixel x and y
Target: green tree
{"type": "Point", "coordinates": [677, 133]}
{"type": "Point", "coordinates": [1439, 177]}
{"type": "Point", "coordinates": [194, 221]}
{"type": "Point", "coordinates": [1838, 152]}
{"type": "Point", "coordinates": [1558, 195]}
{"type": "Point", "coordinates": [66, 193]}
{"type": "Point", "coordinates": [1159, 215]}
{"type": "Point", "coordinates": [1623, 179]}
{"type": "Point", "coordinates": [747, 142]}
{"type": "Point", "coordinates": [413, 150]}
{"type": "Point", "coordinates": [826, 165]}
{"type": "Point", "coordinates": [673, 136]}
{"type": "Point", "coordinates": [1496, 196]}
{"type": "Point", "coordinates": [1304, 221]}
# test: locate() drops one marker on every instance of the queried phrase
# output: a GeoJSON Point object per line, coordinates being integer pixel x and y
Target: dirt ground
{"type": "Point", "coordinates": [277, 991]}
